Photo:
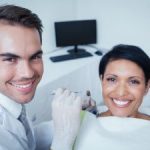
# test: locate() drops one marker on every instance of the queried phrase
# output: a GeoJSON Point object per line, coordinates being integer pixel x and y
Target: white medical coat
{"type": "Point", "coordinates": [12, 132]}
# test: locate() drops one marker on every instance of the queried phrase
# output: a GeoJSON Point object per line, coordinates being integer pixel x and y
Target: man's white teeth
{"type": "Point", "coordinates": [22, 86]}
{"type": "Point", "coordinates": [120, 102]}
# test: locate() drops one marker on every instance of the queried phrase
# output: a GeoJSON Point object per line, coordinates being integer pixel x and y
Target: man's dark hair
{"type": "Point", "coordinates": [127, 52]}
{"type": "Point", "coordinates": [16, 15]}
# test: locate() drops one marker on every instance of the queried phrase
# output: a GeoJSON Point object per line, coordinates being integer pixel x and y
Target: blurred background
{"type": "Point", "coordinates": [118, 21]}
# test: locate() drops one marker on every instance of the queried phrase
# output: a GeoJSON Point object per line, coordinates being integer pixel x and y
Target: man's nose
{"type": "Point", "coordinates": [26, 70]}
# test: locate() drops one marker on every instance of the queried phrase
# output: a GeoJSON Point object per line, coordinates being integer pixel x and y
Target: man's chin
{"type": "Point", "coordinates": [23, 100]}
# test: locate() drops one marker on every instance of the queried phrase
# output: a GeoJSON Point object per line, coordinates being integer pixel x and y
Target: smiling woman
{"type": "Point", "coordinates": [123, 88]}
{"type": "Point", "coordinates": [125, 77]}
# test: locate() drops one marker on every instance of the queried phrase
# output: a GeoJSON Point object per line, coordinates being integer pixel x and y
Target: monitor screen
{"type": "Point", "coordinates": [79, 32]}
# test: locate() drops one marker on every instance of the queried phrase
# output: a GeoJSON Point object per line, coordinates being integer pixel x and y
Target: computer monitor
{"type": "Point", "coordinates": [74, 33]}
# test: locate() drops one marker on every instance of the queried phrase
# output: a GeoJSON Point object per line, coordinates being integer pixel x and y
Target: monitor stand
{"type": "Point", "coordinates": [76, 50]}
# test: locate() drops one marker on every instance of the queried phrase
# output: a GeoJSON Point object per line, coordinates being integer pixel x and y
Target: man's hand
{"type": "Point", "coordinates": [66, 107]}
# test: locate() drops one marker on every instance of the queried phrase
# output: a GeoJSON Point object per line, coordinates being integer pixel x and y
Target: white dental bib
{"type": "Point", "coordinates": [113, 133]}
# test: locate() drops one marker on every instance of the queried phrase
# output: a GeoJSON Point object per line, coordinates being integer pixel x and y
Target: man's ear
{"type": "Point", "coordinates": [147, 87]}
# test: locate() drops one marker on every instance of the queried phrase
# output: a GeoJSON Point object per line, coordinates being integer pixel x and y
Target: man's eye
{"type": "Point", "coordinates": [37, 57]}
{"type": "Point", "coordinates": [9, 59]}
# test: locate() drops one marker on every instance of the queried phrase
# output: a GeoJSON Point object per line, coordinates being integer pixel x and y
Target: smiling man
{"type": "Point", "coordinates": [20, 61]}
{"type": "Point", "coordinates": [21, 69]}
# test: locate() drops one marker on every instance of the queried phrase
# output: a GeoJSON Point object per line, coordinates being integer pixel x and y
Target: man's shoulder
{"type": "Point", "coordinates": [6, 118]}
{"type": "Point", "coordinates": [2, 112]}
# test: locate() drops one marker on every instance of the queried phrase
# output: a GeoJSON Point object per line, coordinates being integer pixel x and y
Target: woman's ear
{"type": "Point", "coordinates": [147, 87]}
{"type": "Point", "coordinates": [101, 77]}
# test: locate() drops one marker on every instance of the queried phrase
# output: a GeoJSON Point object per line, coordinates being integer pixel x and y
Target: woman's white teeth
{"type": "Point", "coordinates": [22, 86]}
{"type": "Point", "coordinates": [120, 102]}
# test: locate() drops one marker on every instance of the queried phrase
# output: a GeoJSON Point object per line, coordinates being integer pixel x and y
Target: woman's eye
{"type": "Point", "coordinates": [111, 79]}
{"type": "Point", "coordinates": [135, 82]}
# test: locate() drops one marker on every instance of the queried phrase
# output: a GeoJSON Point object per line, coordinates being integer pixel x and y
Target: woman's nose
{"type": "Point", "coordinates": [121, 89]}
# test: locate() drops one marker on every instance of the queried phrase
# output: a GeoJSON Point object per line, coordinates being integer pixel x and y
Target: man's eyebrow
{"type": "Point", "coordinates": [9, 55]}
{"type": "Point", "coordinates": [40, 52]}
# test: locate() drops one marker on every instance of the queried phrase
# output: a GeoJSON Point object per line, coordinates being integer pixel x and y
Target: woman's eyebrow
{"type": "Point", "coordinates": [137, 77]}
{"type": "Point", "coordinates": [110, 75]}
